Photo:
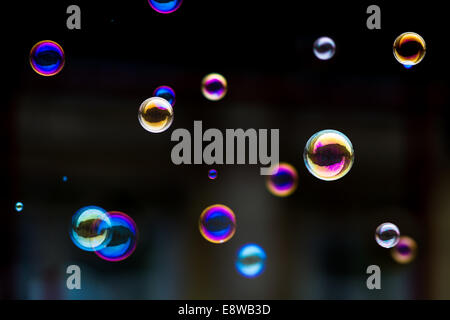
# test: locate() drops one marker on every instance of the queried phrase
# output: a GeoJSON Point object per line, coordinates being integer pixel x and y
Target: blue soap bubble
{"type": "Point", "coordinates": [165, 6]}
{"type": "Point", "coordinates": [19, 206]}
{"type": "Point", "coordinates": [47, 58]}
{"type": "Point", "coordinates": [212, 174]}
{"type": "Point", "coordinates": [165, 92]}
{"type": "Point", "coordinates": [217, 223]}
{"type": "Point", "coordinates": [91, 228]}
{"type": "Point", "coordinates": [123, 238]}
{"type": "Point", "coordinates": [251, 260]}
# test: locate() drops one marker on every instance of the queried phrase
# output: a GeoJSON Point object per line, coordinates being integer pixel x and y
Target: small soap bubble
{"type": "Point", "coordinates": [165, 92]}
{"type": "Point", "coordinates": [251, 260]}
{"type": "Point", "coordinates": [165, 6]}
{"type": "Point", "coordinates": [155, 114]}
{"type": "Point", "coordinates": [282, 182]}
{"type": "Point", "coordinates": [47, 58]}
{"type": "Point", "coordinates": [214, 87]}
{"type": "Point", "coordinates": [217, 223]}
{"type": "Point", "coordinates": [324, 48]}
{"type": "Point", "coordinates": [387, 235]}
{"type": "Point", "coordinates": [405, 251]}
{"type": "Point", "coordinates": [91, 228]}
{"type": "Point", "coordinates": [409, 49]}
{"type": "Point", "coordinates": [123, 238]}
{"type": "Point", "coordinates": [328, 155]}
{"type": "Point", "coordinates": [19, 206]}
{"type": "Point", "coordinates": [212, 174]}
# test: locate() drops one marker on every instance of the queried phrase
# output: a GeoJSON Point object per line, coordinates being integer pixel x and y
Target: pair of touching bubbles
{"type": "Point", "coordinates": [217, 224]}
{"type": "Point", "coordinates": [328, 155]}
{"type": "Point", "coordinates": [403, 248]}
{"type": "Point", "coordinates": [156, 113]}
{"type": "Point", "coordinates": [112, 235]}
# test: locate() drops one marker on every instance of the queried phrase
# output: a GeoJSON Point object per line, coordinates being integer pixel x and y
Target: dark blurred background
{"type": "Point", "coordinates": [82, 123]}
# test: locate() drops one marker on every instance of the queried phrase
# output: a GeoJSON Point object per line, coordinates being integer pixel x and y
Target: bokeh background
{"type": "Point", "coordinates": [83, 124]}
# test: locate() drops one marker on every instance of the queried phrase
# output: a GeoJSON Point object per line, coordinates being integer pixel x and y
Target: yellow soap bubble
{"type": "Point", "coordinates": [409, 49]}
{"type": "Point", "coordinates": [155, 114]}
{"type": "Point", "coordinates": [405, 251]}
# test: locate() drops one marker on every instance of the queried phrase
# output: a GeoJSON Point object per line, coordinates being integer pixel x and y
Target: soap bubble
{"type": "Point", "coordinates": [165, 92]}
{"type": "Point", "coordinates": [47, 58]}
{"type": "Point", "coordinates": [283, 180]}
{"type": "Point", "coordinates": [328, 155]}
{"type": "Point", "coordinates": [123, 238]}
{"type": "Point", "coordinates": [387, 235]}
{"type": "Point", "coordinates": [405, 251]}
{"type": "Point", "coordinates": [91, 228]}
{"type": "Point", "coordinates": [409, 49]}
{"type": "Point", "coordinates": [324, 48]}
{"type": "Point", "coordinates": [214, 86]}
{"type": "Point", "coordinates": [212, 174]}
{"type": "Point", "coordinates": [165, 6]}
{"type": "Point", "coordinates": [251, 260]}
{"type": "Point", "coordinates": [155, 114]}
{"type": "Point", "coordinates": [217, 223]}
{"type": "Point", "coordinates": [19, 206]}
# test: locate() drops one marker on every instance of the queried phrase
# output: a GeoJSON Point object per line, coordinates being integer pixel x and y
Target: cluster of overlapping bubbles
{"type": "Point", "coordinates": [328, 155]}
{"type": "Point", "coordinates": [111, 235]}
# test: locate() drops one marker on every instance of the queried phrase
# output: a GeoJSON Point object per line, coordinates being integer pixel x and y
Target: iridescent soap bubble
{"type": "Point", "coordinates": [217, 223]}
{"type": "Point", "coordinates": [214, 86]}
{"type": "Point", "coordinates": [212, 174]}
{"type": "Point", "coordinates": [155, 114]}
{"type": "Point", "coordinates": [405, 251]}
{"type": "Point", "coordinates": [47, 58]}
{"type": "Point", "coordinates": [123, 238]}
{"type": "Point", "coordinates": [409, 49]}
{"type": "Point", "coordinates": [19, 206]}
{"type": "Point", "coordinates": [387, 235]}
{"type": "Point", "coordinates": [91, 228]}
{"type": "Point", "coordinates": [251, 260]}
{"type": "Point", "coordinates": [283, 180]}
{"type": "Point", "coordinates": [165, 6]}
{"type": "Point", "coordinates": [165, 92]}
{"type": "Point", "coordinates": [328, 155]}
{"type": "Point", "coordinates": [324, 48]}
